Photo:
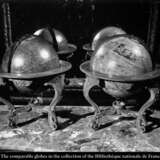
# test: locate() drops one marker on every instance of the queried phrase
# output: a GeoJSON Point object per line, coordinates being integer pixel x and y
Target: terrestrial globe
{"type": "Point", "coordinates": [124, 63]}
{"type": "Point", "coordinates": [30, 62]}
{"type": "Point", "coordinates": [121, 56]}
{"type": "Point", "coordinates": [122, 67]}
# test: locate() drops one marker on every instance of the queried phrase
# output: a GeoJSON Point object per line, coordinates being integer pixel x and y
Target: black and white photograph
{"type": "Point", "coordinates": [80, 78]}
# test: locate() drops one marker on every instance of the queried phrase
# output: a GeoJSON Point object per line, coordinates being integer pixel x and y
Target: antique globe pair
{"type": "Point", "coordinates": [120, 64]}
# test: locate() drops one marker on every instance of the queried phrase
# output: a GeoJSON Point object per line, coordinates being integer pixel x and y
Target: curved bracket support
{"type": "Point", "coordinates": [88, 85]}
{"type": "Point", "coordinates": [12, 112]}
{"type": "Point", "coordinates": [57, 84]}
{"type": "Point", "coordinates": [140, 122]}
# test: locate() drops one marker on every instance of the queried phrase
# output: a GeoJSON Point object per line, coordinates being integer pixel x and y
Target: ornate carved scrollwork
{"type": "Point", "coordinates": [12, 112]}
{"type": "Point", "coordinates": [118, 107]}
{"type": "Point", "coordinates": [88, 85]}
{"type": "Point", "coordinates": [140, 121]}
{"type": "Point", "coordinates": [57, 84]}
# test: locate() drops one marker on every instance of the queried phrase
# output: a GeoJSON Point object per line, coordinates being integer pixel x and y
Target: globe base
{"type": "Point", "coordinates": [119, 110]}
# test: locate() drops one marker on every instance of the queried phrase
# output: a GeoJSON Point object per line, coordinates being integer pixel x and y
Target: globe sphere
{"type": "Point", "coordinates": [104, 34]}
{"type": "Point", "coordinates": [30, 55]}
{"type": "Point", "coordinates": [118, 57]}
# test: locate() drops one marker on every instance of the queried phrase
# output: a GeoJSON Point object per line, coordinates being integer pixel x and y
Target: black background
{"type": "Point", "coordinates": [79, 20]}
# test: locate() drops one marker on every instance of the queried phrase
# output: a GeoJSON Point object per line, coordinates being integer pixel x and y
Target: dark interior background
{"type": "Point", "coordinates": [78, 20]}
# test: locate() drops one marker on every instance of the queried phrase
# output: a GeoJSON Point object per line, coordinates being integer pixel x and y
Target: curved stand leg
{"type": "Point", "coordinates": [140, 122]}
{"type": "Point", "coordinates": [88, 85]}
{"type": "Point", "coordinates": [12, 112]}
{"type": "Point", "coordinates": [57, 83]}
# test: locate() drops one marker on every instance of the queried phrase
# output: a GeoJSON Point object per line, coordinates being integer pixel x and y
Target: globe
{"type": "Point", "coordinates": [120, 57]}
{"type": "Point", "coordinates": [104, 34]}
{"type": "Point", "coordinates": [60, 39]}
{"type": "Point", "coordinates": [31, 55]}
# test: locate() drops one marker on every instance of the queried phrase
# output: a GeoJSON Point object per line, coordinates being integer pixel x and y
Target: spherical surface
{"type": "Point", "coordinates": [104, 34]}
{"type": "Point", "coordinates": [121, 56]}
{"type": "Point", "coordinates": [53, 36]}
{"type": "Point", "coordinates": [31, 55]}
{"type": "Point", "coordinates": [61, 40]}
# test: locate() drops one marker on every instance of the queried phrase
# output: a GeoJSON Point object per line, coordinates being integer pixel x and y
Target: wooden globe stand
{"type": "Point", "coordinates": [117, 110]}
{"type": "Point", "coordinates": [57, 83]}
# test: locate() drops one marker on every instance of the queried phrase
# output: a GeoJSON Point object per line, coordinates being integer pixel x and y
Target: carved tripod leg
{"type": "Point", "coordinates": [12, 112]}
{"type": "Point", "coordinates": [140, 119]}
{"type": "Point", "coordinates": [58, 84]}
{"type": "Point", "coordinates": [88, 85]}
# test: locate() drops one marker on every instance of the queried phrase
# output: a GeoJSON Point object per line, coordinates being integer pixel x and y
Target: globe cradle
{"type": "Point", "coordinates": [120, 60]}
{"type": "Point", "coordinates": [27, 58]}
